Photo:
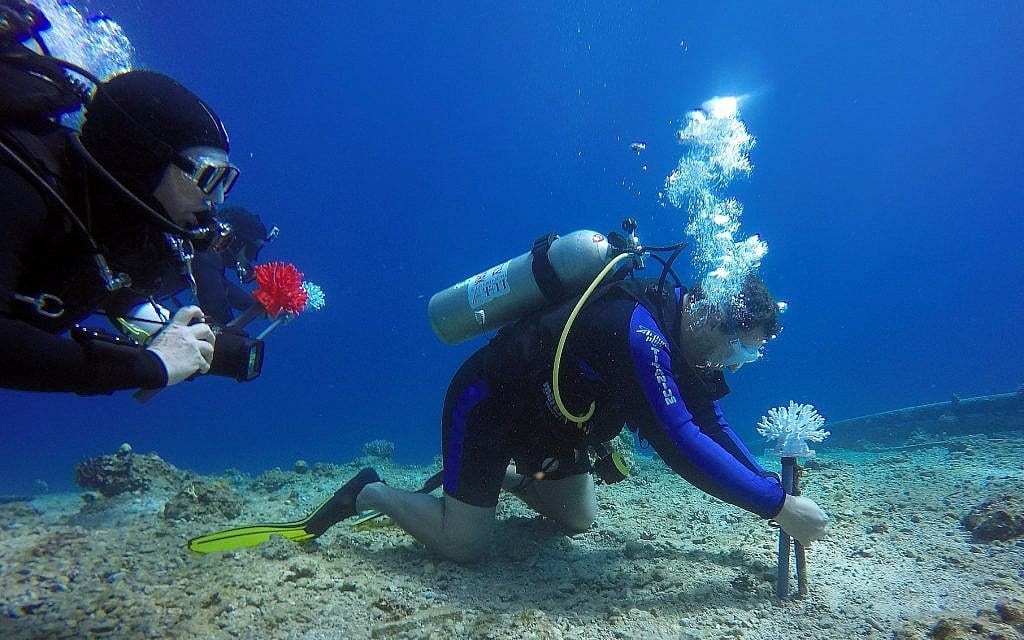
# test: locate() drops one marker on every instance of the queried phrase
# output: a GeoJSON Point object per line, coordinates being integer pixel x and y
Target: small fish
{"type": "Point", "coordinates": [638, 147]}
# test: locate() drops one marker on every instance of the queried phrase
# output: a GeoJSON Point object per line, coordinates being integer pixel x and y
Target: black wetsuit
{"type": "Point", "coordinates": [499, 406]}
{"type": "Point", "coordinates": [41, 252]}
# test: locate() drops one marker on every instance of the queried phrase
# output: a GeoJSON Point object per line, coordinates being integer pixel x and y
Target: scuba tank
{"type": "Point", "coordinates": [554, 270]}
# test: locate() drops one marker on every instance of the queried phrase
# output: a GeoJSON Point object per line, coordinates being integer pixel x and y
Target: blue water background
{"type": "Point", "coordinates": [403, 146]}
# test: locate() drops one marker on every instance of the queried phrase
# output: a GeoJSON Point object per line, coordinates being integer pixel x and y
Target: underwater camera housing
{"type": "Point", "coordinates": [235, 355]}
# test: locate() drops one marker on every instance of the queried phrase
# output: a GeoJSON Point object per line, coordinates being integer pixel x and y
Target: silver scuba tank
{"type": "Point", "coordinates": [555, 270]}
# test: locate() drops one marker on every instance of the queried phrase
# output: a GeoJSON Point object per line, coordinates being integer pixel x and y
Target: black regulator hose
{"type": "Point", "coordinates": [667, 268]}
{"type": "Point", "coordinates": [671, 247]}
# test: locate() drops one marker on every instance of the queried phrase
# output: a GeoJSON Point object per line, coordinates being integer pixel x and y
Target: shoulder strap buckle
{"type": "Point", "coordinates": [45, 304]}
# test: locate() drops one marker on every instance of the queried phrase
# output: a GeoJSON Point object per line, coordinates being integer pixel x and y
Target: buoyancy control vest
{"type": "Point", "coordinates": [529, 343]}
{"type": "Point", "coordinates": [520, 360]}
{"type": "Point", "coordinates": [60, 268]}
{"type": "Point", "coordinates": [36, 89]}
{"type": "Point", "coordinates": [523, 353]}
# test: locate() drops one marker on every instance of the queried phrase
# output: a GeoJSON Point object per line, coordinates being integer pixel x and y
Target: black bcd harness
{"type": "Point", "coordinates": [526, 348]}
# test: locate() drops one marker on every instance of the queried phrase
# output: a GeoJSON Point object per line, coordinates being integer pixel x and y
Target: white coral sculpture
{"type": "Point", "coordinates": [792, 427]}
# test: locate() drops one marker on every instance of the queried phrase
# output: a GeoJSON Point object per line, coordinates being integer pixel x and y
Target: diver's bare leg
{"type": "Point", "coordinates": [570, 501]}
{"type": "Point", "coordinates": [449, 527]}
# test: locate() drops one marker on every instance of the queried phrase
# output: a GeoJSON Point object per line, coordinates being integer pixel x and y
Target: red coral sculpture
{"type": "Point", "coordinates": [280, 288]}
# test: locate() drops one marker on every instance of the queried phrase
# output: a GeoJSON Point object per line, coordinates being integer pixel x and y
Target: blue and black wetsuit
{"type": "Point", "coordinates": [499, 407]}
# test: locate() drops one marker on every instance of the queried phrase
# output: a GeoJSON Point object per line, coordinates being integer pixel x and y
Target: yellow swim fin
{"type": "Point", "coordinates": [249, 536]}
{"type": "Point", "coordinates": [331, 511]}
{"type": "Point", "coordinates": [254, 535]}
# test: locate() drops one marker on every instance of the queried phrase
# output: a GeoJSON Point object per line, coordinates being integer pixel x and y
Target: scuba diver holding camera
{"type": "Point", "coordinates": [95, 222]}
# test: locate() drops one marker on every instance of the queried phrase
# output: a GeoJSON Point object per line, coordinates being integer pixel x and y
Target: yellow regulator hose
{"type": "Point", "coordinates": [579, 420]}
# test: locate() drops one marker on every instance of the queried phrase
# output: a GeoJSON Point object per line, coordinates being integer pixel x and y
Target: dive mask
{"type": "Point", "coordinates": [740, 354]}
{"type": "Point", "coordinates": [210, 174]}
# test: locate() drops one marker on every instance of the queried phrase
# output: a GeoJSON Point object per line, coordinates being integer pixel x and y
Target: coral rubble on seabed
{"type": "Point", "coordinates": [663, 561]}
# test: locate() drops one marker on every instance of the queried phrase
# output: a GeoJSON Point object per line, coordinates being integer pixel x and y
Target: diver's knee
{"type": "Point", "coordinates": [465, 548]}
{"type": "Point", "coordinates": [578, 522]}
{"type": "Point", "coordinates": [466, 531]}
{"type": "Point", "coordinates": [579, 514]}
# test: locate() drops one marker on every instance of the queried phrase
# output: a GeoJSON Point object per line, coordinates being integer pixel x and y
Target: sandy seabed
{"type": "Point", "coordinates": [662, 561]}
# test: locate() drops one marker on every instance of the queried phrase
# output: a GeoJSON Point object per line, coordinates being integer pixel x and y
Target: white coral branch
{"type": "Point", "coordinates": [794, 423]}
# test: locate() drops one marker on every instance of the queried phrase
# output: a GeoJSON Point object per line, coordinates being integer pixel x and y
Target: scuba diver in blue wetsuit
{"type": "Point", "coordinates": [644, 355]}
{"type": "Point", "coordinates": [657, 370]}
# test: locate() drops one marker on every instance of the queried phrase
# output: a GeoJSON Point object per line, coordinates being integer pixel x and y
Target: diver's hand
{"type": "Point", "coordinates": [185, 349]}
{"type": "Point", "coordinates": [803, 519]}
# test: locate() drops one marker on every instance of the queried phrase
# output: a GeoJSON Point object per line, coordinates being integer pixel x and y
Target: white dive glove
{"type": "Point", "coordinates": [183, 348]}
{"type": "Point", "coordinates": [802, 519]}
